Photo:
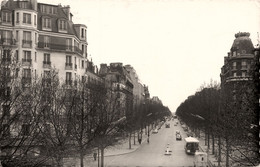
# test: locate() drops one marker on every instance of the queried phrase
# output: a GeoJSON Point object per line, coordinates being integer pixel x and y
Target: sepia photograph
{"type": "Point", "coordinates": [130, 83]}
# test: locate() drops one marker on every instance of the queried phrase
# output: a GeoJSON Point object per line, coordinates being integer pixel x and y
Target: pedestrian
{"type": "Point", "coordinates": [139, 140]}
{"type": "Point", "coordinates": [95, 156]}
{"type": "Point", "coordinates": [148, 140]}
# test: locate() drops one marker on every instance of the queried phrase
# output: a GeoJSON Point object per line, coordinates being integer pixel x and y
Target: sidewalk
{"type": "Point", "coordinates": [119, 149]}
{"type": "Point", "coordinates": [212, 159]}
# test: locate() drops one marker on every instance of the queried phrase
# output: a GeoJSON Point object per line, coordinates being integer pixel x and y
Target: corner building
{"type": "Point", "coordinates": [43, 36]}
{"type": "Point", "coordinates": [239, 113]}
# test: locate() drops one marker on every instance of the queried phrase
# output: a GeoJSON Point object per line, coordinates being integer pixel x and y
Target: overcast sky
{"type": "Point", "coordinates": [174, 45]}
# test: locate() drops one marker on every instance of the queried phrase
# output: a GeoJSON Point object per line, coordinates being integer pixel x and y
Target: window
{"type": "Point", "coordinates": [7, 37]}
{"type": "Point", "coordinates": [46, 42]}
{"type": "Point", "coordinates": [75, 62]}
{"type": "Point", "coordinates": [82, 64]}
{"type": "Point", "coordinates": [244, 65]}
{"type": "Point", "coordinates": [68, 44]}
{"type": "Point", "coordinates": [47, 58]}
{"type": "Point", "coordinates": [36, 38]}
{"type": "Point", "coordinates": [35, 56]}
{"type": "Point", "coordinates": [17, 35]}
{"type": "Point", "coordinates": [82, 32]}
{"type": "Point", "coordinates": [23, 5]}
{"type": "Point", "coordinates": [63, 25]}
{"type": "Point", "coordinates": [27, 39]}
{"type": "Point", "coordinates": [234, 54]}
{"type": "Point", "coordinates": [6, 56]}
{"type": "Point", "coordinates": [27, 18]}
{"type": "Point", "coordinates": [82, 48]}
{"type": "Point", "coordinates": [17, 18]}
{"type": "Point", "coordinates": [68, 59]}
{"type": "Point", "coordinates": [234, 74]}
{"type": "Point", "coordinates": [48, 9]}
{"type": "Point", "coordinates": [46, 23]}
{"type": "Point", "coordinates": [234, 65]}
{"type": "Point", "coordinates": [43, 8]}
{"type": "Point", "coordinates": [243, 74]}
{"type": "Point", "coordinates": [27, 73]}
{"type": "Point", "coordinates": [243, 51]}
{"type": "Point", "coordinates": [35, 20]}
{"type": "Point", "coordinates": [6, 17]}
{"type": "Point", "coordinates": [27, 56]}
{"type": "Point", "coordinates": [68, 78]}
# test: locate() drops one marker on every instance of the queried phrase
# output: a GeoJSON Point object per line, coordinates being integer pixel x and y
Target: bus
{"type": "Point", "coordinates": [191, 145]}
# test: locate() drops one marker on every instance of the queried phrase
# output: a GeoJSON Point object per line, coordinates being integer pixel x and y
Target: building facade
{"type": "Point", "coordinates": [239, 99]}
{"type": "Point", "coordinates": [138, 90]}
{"type": "Point", "coordinates": [42, 37]}
{"type": "Point", "coordinates": [118, 79]}
{"type": "Point", "coordinates": [239, 60]}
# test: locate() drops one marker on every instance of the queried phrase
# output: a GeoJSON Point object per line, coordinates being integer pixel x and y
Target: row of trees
{"type": "Point", "coordinates": [43, 120]}
{"type": "Point", "coordinates": [229, 114]}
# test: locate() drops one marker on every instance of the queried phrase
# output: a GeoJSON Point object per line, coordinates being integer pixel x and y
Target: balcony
{"type": "Point", "coordinates": [69, 82]}
{"type": "Point", "coordinates": [58, 47]}
{"type": "Point", "coordinates": [27, 43]}
{"type": "Point", "coordinates": [46, 64]}
{"type": "Point", "coordinates": [244, 67]}
{"type": "Point", "coordinates": [77, 50]}
{"type": "Point", "coordinates": [6, 60]}
{"type": "Point", "coordinates": [68, 66]}
{"type": "Point", "coordinates": [27, 62]}
{"type": "Point", "coordinates": [8, 42]}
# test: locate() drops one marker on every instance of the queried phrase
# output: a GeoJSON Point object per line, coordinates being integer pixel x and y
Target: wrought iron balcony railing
{"type": "Point", "coordinates": [27, 43]}
{"type": "Point", "coordinates": [46, 64]}
{"type": "Point", "coordinates": [60, 47]}
{"type": "Point", "coordinates": [68, 66]}
{"type": "Point", "coordinates": [26, 61]}
{"type": "Point", "coordinates": [7, 41]}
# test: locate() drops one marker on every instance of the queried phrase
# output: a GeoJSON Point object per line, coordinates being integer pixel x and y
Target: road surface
{"type": "Point", "coordinates": [153, 154]}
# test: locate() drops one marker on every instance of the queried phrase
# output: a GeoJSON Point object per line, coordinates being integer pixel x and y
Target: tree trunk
{"type": "Point", "coordinates": [208, 140]}
{"type": "Point", "coordinates": [213, 144]}
{"type": "Point", "coordinates": [219, 151]}
{"type": "Point", "coordinates": [59, 161]}
{"type": "Point", "coordinates": [129, 138]}
{"type": "Point", "coordinates": [227, 152]}
{"type": "Point", "coordinates": [134, 137]}
{"type": "Point", "coordinates": [102, 156]}
{"type": "Point", "coordinates": [81, 158]}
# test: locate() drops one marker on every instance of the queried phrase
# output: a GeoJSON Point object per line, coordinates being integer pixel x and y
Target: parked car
{"type": "Point", "coordinates": [178, 137]}
{"type": "Point", "coordinates": [155, 130]}
{"type": "Point", "coordinates": [167, 125]}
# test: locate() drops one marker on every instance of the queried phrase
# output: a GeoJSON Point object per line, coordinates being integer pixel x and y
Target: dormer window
{"type": "Point", "coordinates": [48, 9]}
{"type": "Point", "coordinates": [234, 54]}
{"type": "Point", "coordinates": [23, 4]}
{"type": "Point", "coordinates": [46, 23]}
{"type": "Point", "coordinates": [6, 17]}
{"type": "Point", "coordinates": [62, 24]}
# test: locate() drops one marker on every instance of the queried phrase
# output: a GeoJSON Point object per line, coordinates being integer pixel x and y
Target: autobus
{"type": "Point", "coordinates": [191, 145]}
